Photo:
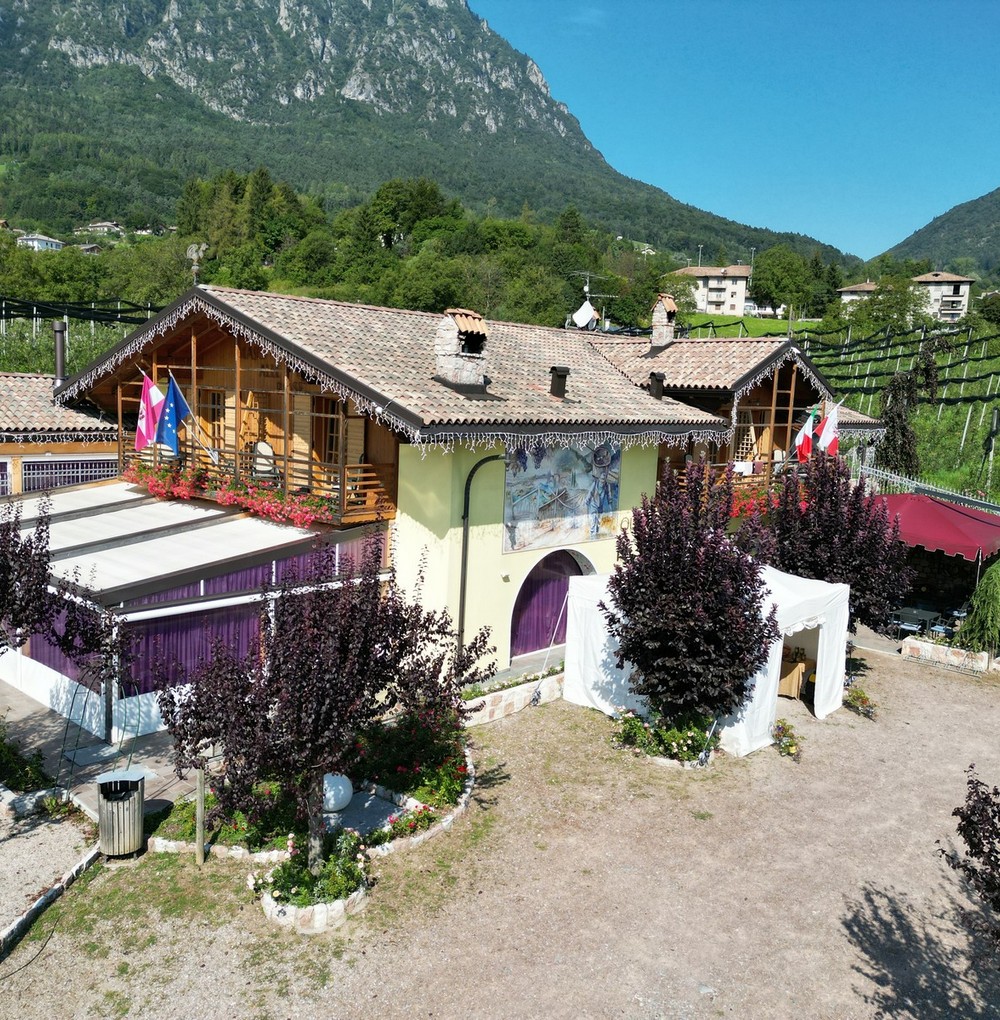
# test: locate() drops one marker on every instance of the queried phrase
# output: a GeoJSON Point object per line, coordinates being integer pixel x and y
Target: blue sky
{"type": "Point", "coordinates": [856, 122]}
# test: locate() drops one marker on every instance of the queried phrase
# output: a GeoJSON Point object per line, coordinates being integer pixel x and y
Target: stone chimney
{"type": "Point", "coordinates": [664, 317]}
{"type": "Point", "coordinates": [460, 349]}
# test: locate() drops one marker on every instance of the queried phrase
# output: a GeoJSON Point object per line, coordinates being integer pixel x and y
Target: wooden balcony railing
{"type": "Point", "coordinates": [355, 493]}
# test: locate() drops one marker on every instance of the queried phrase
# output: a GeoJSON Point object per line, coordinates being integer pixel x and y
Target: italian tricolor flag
{"type": "Point", "coordinates": [804, 440]}
{"type": "Point", "coordinates": [828, 432]}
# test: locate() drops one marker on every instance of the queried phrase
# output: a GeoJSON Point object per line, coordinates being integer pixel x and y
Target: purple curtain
{"type": "Point", "coordinates": [539, 605]}
{"type": "Point", "coordinates": [186, 591]}
{"type": "Point", "coordinates": [248, 579]}
{"type": "Point", "coordinates": [48, 654]}
{"type": "Point", "coordinates": [180, 643]}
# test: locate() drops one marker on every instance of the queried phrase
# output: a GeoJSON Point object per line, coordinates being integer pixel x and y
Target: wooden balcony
{"type": "Point", "coordinates": [348, 494]}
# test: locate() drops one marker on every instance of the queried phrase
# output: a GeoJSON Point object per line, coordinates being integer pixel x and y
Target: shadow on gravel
{"type": "Point", "coordinates": [918, 967]}
{"type": "Point", "coordinates": [488, 779]}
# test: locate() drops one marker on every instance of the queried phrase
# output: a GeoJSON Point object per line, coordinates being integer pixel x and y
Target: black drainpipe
{"type": "Point", "coordinates": [465, 544]}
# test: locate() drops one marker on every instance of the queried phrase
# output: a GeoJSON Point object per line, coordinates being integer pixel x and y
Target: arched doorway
{"type": "Point", "coordinates": [538, 609]}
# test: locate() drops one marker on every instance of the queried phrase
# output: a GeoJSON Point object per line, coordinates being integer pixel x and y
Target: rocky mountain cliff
{"type": "Point", "coordinates": [106, 108]}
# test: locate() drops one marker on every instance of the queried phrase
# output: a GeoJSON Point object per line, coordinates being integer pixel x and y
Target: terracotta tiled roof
{"type": "Point", "coordinates": [26, 407]}
{"type": "Point", "coordinates": [722, 364]}
{"type": "Point", "coordinates": [714, 364]}
{"type": "Point", "coordinates": [942, 278]}
{"type": "Point", "coordinates": [699, 271]}
{"type": "Point", "coordinates": [858, 288]}
{"type": "Point", "coordinates": [387, 355]}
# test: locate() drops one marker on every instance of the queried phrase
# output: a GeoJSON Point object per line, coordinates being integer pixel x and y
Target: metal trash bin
{"type": "Point", "coordinates": [120, 800]}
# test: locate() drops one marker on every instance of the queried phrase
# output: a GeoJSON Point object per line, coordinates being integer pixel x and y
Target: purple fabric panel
{"type": "Point", "coordinates": [180, 643]}
{"type": "Point", "coordinates": [185, 591]}
{"type": "Point", "coordinates": [44, 651]}
{"type": "Point", "coordinates": [249, 579]}
{"type": "Point", "coordinates": [539, 605]}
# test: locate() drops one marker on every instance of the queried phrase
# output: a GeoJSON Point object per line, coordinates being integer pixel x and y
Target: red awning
{"type": "Point", "coordinates": [945, 527]}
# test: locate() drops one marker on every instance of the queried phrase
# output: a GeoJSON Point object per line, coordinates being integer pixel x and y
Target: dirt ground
{"type": "Point", "coordinates": [584, 882]}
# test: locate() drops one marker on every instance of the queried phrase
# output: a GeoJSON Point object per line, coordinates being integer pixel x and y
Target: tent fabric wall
{"type": "Point", "coordinates": [800, 604]}
{"type": "Point", "coordinates": [594, 680]}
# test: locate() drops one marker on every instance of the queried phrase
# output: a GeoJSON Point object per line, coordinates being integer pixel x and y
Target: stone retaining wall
{"type": "Point", "coordinates": [946, 655]}
{"type": "Point", "coordinates": [498, 704]}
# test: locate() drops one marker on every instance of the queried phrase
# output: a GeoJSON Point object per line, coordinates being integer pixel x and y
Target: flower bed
{"type": "Point", "coordinates": [688, 740]}
{"type": "Point", "coordinates": [261, 499]}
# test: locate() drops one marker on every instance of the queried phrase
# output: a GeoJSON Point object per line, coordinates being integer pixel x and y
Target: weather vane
{"type": "Point", "coordinates": [195, 253]}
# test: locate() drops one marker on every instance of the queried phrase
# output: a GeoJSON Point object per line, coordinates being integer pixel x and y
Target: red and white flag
{"type": "Point", "coordinates": [828, 432]}
{"type": "Point", "coordinates": [150, 405]}
{"type": "Point", "coordinates": [804, 440]}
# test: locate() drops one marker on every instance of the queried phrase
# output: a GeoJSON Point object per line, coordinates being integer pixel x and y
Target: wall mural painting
{"type": "Point", "coordinates": [560, 495]}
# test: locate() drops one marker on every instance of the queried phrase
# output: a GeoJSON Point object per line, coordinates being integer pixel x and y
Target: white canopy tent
{"type": "Point", "coordinates": [594, 680]}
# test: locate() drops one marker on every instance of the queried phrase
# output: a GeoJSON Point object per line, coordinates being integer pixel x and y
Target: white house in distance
{"type": "Point", "coordinates": [39, 242]}
{"type": "Point", "coordinates": [946, 295]}
{"type": "Point", "coordinates": [856, 292]}
{"type": "Point", "coordinates": [719, 290]}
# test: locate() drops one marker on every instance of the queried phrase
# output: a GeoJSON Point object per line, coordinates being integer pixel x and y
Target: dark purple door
{"type": "Point", "coordinates": [538, 611]}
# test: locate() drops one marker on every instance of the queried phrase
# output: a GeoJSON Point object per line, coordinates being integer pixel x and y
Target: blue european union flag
{"type": "Point", "coordinates": [175, 410]}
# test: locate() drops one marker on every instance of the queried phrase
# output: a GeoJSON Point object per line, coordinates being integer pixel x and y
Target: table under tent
{"type": "Point", "coordinates": [811, 615]}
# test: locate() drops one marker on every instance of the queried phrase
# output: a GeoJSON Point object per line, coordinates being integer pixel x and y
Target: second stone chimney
{"type": "Point", "coordinates": [664, 320]}
{"type": "Point", "coordinates": [460, 349]}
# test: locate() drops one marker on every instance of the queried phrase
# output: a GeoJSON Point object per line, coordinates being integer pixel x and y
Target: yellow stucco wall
{"type": "Point", "coordinates": [428, 528]}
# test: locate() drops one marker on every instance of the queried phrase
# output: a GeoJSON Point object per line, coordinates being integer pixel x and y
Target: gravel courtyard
{"type": "Point", "coordinates": [584, 882]}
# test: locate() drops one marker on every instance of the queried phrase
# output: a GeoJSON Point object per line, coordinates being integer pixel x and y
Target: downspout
{"type": "Point", "coordinates": [464, 576]}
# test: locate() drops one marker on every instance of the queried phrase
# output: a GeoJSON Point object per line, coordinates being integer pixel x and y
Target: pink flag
{"type": "Point", "coordinates": [150, 404]}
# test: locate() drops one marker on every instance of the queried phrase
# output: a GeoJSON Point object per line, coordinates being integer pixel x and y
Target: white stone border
{"type": "Point", "coordinates": [409, 804]}
{"type": "Point", "coordinates": [322, 917]}
{"type": "Point", "coordinates": [316, 919]}
{"type": "Point", "coordinates": [14, 932]}
{"type": "Point", "coordinates": [19, 805]}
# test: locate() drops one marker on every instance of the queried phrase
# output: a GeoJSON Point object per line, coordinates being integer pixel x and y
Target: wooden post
{"type": "Point", "coordinates": [239, 410]}
{"type": "Point", "coordinates": [199, 819]}
{"type": "Point", "coordinates": [287, 423]}
{"type": "Point", "coordinates": [121, 432]}
{"type": "Point", "coordinates": [195, 411]}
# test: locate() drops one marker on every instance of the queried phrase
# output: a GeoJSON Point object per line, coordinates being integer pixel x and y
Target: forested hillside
{"type": "Point", "coordinates": [106, 110]}
{"type": "Point", "coordinates": [965, 240]}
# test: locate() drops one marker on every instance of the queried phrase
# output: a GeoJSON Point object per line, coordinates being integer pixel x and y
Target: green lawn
{"type": "Point", "coordinates": [730, 325]}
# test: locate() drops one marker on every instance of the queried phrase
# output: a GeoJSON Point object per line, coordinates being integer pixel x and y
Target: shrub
{"type": "Point", "coordinates": [343, 870]}
{"type": "Point", "coordinates": [686, 604]}
{"type": "Point", "coordinates": [683, 739]}
{"type": "Point", "coordinates": [979, 827]}
{"type": "Point", "coordinates": [420, 752]}
{"type": "Point", "coordinates": [858, 701]}
{"type": "Point", "coordinates": [20, 772]}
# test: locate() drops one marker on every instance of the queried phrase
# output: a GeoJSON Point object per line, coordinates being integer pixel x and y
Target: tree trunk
{"type": "Point", "coordinates": [316, 827]}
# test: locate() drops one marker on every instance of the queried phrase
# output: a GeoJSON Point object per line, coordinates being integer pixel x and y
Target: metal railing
{"type": "Point", "coordinates": [889, 482]}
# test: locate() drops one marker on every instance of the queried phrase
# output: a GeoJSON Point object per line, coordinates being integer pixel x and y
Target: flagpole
{"type": "Point", "coordinates": [213, 454]}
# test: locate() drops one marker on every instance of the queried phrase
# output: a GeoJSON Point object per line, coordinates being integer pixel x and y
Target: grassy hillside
{"type": "Point", "coordinates": [959, 375]}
